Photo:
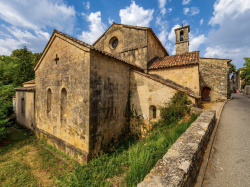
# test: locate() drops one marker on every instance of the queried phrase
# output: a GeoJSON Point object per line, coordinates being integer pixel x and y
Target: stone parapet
{"type": "Point", "coordinates": [181, 164]}
{"type": "Point", "coordinates": [247, 90]}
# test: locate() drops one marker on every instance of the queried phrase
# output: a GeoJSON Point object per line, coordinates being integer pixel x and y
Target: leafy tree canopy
{"type": "Point", "coordinates": [245, 72]}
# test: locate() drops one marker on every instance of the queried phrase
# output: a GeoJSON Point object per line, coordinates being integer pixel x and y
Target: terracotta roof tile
{"type": "Point", "coordinates": [30, 88]}
{"type": "Point", "coordinates": [171, 84]}
{"type": "Point", "coordinates": [177, 60]}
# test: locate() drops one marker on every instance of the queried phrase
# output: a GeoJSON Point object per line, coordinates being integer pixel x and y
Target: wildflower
{"type": "Point", "coordinates": [78, 159]}
{"type": "Point", "coordinates": [63, 174]}
{"type": "Point", "coordinates": [71, 168]}
{"type": "Point", "coordinates": [60, 168]}
{"type": "Point", "coordinates": [84, 158]}
{"type": "Point", "coordinates": [54, 174]}
{"type": "Point", "coordinates": [58, 162]}
{"type": "Point", "coordinates": [43, 170]}
{"type": "Point", "coordinates": [49, 167]}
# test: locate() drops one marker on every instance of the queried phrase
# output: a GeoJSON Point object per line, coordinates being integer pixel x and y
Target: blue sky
{"type": "Point", "coordinates": [219, 28]}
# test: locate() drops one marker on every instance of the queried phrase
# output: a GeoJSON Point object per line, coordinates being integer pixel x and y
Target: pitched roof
{"type": "Point", "coordinates": [177, 60]}
{"type": "Point", "coordinates": [29, 82]}
{"type": "Point", "coordinates": [228, 60]}
{"type": "Point", "coordinates": [30, 88]}
{"type": "Point", "coordinates": [85, 45]}
{"type": "Point", "coordinates": [170, 84]}
{"type": "Point", "coordinates": [134, 27]}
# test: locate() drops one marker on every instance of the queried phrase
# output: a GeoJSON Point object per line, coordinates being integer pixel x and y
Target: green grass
{"type": "Point", "coordinates": [135, 158]}
{"type": "Point", "coordinates": [24, 162]}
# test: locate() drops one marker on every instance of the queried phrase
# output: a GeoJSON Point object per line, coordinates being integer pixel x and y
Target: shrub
{"type": "Point", "coordinates": [176, 108]}
{"type": "Point", "coordinates": [3, 122]}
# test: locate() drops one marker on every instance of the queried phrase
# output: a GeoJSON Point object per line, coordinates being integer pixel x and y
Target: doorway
{"type": "Point", "coordinates": [206, 94]}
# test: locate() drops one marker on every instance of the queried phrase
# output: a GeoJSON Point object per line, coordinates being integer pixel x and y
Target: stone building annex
{"type": "Point", "coordinates": [78, 98]}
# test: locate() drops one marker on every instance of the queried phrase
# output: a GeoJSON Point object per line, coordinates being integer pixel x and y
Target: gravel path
{"type": "Point", "coordinates": [229, 163]}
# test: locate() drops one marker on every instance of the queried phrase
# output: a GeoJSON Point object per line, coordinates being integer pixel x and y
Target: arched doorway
{"type": "Point", "coordinates": [206, 94]}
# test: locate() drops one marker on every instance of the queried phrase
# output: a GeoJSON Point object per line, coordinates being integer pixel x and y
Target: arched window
{"type": "Point", "coordinates": [49, 100]}
{"type": "Point", "coordinates": [181, 36]}
{"type": "Point", "coordinates": [63, 102]}
{"type": "Point", "coordinates": [23, 106]}
{"type": "Point", "coordinates": [152, 112]}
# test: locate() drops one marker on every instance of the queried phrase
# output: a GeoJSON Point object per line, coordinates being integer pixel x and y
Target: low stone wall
{"type": "Point", "coordinates": [247, 90]}
{"type": "Point", "coordinates": [181, 164]}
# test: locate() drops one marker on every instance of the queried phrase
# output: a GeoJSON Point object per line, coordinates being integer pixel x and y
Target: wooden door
{"type": "Point", "coordinates": [205, 94]}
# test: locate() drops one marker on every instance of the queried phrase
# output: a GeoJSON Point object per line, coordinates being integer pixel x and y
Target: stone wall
{"type": "Point", "coordinates": [71, 72]}
{"type": "Point", "coordinates": [109, 88]}
{"type": "Point", "coordinates": [214, 73]}
{"type": "Point", "coordinates": [154, 50]}
{"type": "Point", "coordinates": [247, 90]}
{"type": "Point", "coordinates": [26, 119]}
{"type": "Point", "coordinates": [131, 44]}
{"type": "Point", "coordinates": [136, 45]}
{"type": "Point", "coordinates": [187, 76]}
{"type": "Point", "coordinates": [181, 164]}
{"type": "Point", "coordinates": [146, 92]}
{"type": "Point", "coordinates": [182, 46]}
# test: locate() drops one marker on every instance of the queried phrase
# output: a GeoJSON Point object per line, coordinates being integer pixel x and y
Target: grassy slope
{"type": "Point", "coordinates": [24, 162]}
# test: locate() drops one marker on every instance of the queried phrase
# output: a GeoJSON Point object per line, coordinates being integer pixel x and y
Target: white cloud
{"type": "Point", "coordinates": [163, 36]}
{"type": "Point", "coordinates": [170, 9]}
{"type": "Point", "coordinates": [196, 41]}
{"type": "Point", "coordinates": [135, 15]}
{"type": "Point", "coordinates": [224, 8]}
{"type": "Point", "coordinates": [110, 21]}
{"type": "Point", "coordinates": [231, 38]}
{"type": "Point", "coordinates": [191, 11]}
{"type": "Point", "coordinates": [162, 4]}
{"type": "Point", "coordinates": [185, 11]}
{"type": "Point", "coordinates": [201, 21]}
{"type": "Point", "coordinates": [22, 38]}
{"type": "Point", "coordinates": [185, 2]}
{"type": "Point", "coordinates": [37, 14]}
{"type": "Point", "coordinates": [96, 28]}
{"type": "Point", "coordinates": [86, 4]}
{"type": "Point", "coordinates": [162, 23]}
{"type": "Point", "coordinates": [171, 35]}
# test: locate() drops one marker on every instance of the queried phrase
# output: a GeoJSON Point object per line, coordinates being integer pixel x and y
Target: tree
{"type": "Point", "coordinates": [245, 72]}
{"type": "Point", "coordinates": [14, 70]}
{"type": "Point", "coordinates": [232, 68]}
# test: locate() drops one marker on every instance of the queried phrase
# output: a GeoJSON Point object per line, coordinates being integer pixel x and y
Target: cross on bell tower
{"type": "Point", "coordinates": [56, 59]}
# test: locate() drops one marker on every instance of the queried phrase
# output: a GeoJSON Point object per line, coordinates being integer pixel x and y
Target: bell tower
{"type": "Point", "coordinates": [182, 40]}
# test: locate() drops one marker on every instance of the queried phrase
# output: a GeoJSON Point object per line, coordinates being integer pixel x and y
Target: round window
{"type": "Point", "coordinates": [115, 43]}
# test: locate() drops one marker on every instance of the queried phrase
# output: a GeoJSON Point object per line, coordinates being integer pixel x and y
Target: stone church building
{"type": "Point", "coordinates": [80, 92]}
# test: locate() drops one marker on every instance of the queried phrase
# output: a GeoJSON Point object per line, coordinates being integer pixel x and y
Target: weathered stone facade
{"type": "Point", "coordinates": [214, 74]}
{"type": "Point", "coordinates": [137, 45]}
{"type": "Point", "coordinates": [247, 90]}
{"type": "Point", "coordinates": [182, 40]}
{"type": "Point", "coordinates": [146, 92]}
{"type": "Point", "coordinates": [187, 76]}
{"type": "Point", "coordinates": [68, 119]}
{"type": "Point", "coordinates": [24, 107]}
{"type": "Point", "coordinates": [109, 88]}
